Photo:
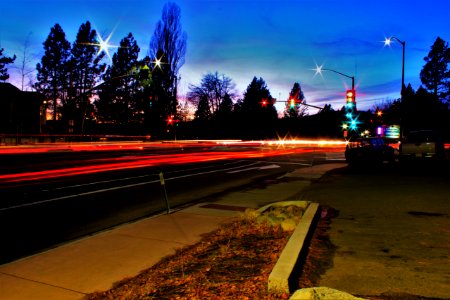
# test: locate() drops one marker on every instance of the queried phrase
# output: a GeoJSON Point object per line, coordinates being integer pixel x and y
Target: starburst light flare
{"type": "Point", "coordinates": [387, 41]}
{"type": "Point", "coordinates": [318, 70]}
{"type": "Point", "coordinates": [103, 45]}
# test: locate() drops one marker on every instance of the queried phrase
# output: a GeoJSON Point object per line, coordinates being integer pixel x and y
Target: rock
{"type": "Point", "coordinates": [288, 225]}
{"type": "Point", "coordinates": [322, 293]}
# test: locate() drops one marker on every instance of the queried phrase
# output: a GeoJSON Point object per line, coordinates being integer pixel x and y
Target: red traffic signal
{"type": "Point", "coordinates": [264, 102]}
{"type": "Point", "coordinates": [170, 120]}
{"type": "Point", "coordinates": [350, 96]}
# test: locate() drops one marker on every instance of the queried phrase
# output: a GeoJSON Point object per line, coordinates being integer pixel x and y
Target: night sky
{"type": "Point", "coordinates": [280, 41]}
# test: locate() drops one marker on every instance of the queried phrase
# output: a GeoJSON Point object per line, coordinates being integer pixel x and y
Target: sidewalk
{"type": "Point", "coordinates": [96, 262]}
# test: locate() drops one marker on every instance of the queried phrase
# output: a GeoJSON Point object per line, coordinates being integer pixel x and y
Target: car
{"type": "Point", "coordinates": [369, 150]}
{"type": "Point", "coordinates": [422, 144]}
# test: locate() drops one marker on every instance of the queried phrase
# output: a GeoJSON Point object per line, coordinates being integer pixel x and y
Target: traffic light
{"type": "Point", "coordinates": [350, 96]}
{"type": "Point", "coordinates": [353, 125]}
{"type": "Point", "coordinates": [292, 103]}
{"type": "Point", "coordinates": [264, 102]}
{"type": "Point", "coordinates": [170, 120]}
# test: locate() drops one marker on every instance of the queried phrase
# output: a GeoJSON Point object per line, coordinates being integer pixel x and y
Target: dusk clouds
{"type": "Point", "coordinates": [280, 41]}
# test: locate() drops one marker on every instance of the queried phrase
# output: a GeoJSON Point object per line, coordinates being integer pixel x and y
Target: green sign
{"type": "Point", "coordinates": [392, 132]}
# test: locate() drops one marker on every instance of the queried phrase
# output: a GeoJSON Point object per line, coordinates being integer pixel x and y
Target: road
{"type": "Point", "coordinates": [56, 197]}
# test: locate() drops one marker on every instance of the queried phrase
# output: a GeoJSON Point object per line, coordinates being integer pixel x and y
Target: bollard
{"type": "Point", "coordinates": [163, 185]}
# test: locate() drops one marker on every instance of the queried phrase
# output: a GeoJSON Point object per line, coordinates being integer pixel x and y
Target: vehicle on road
{"type": "Point", "coordinates": [422, 144]}
{"type": "Point", "coordinates": [370, 150]}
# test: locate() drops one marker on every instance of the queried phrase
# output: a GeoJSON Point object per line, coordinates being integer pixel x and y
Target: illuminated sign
{"type": "Point", "coordinates": [392, 132]}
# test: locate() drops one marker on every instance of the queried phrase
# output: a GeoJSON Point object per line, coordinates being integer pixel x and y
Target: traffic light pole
{"type": "Point", "coordinates": [345, 75]}
{"type": "Point", "coordinates": [301, 103]}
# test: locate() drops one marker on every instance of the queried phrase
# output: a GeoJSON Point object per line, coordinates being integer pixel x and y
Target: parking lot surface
{"type": "Point", "coordinates": [392, 231]}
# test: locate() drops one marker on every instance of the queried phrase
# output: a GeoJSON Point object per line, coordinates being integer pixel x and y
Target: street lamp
{"type": "Point", "coordinates": [319, 70]}
{"type": "Point", "coordinates": [350, 100]}
{"type": "Point", "coordinates": [387, 42]}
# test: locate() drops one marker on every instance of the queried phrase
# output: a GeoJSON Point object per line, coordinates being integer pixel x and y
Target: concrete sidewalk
{"type": "Point", "coordinates": [96, 262]}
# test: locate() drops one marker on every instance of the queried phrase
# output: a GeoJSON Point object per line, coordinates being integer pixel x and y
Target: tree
{"type": "Point", "coordinates": [203, 111]}
{"type": "Point", "coordinates": [85, 69]}
{"type": "Point", "coordinates": [121, 99]}
{"type": "Point", "coordinates": [5, 60]}
{"type": "Point", "coordinates": [257, 120]}
{"type": "Point", "coordinates": [294, 107]}
{"type": "Point", "coordinates": [24, 69]}
{"type": "Point", "coordinates": [52, 72]}
{"type": "Point", "coordinates": [435, 74]}
{"type": "Point", "coordinates": [213, 89]}
{"type": "Point", "coordinates": [167, 51]}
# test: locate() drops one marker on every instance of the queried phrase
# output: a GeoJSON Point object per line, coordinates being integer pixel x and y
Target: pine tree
{"type": "Point", "coordinates": [258, 120]}
{"type": "Point", "coordinates": [5, 60]}
{"type": "Point", "coordinates": [295, 109]}
{"type": "Point", "coordinates": [121, 99]}
{"type": "Point", "coordinates": [85, 72]}
{"type": "Point", "coordinates": [435, 74]}
{"type": "Point", "coordinates": [52, 71]}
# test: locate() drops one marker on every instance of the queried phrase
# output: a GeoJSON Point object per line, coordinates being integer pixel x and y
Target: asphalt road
{"type": "Point", "coordinates": [39, 213]}
{"type": "Point", "coordinates": [392, 231]}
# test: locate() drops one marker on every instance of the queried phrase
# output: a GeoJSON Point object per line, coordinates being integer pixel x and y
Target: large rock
{"type": "Point", "coordinates": [322, 293]}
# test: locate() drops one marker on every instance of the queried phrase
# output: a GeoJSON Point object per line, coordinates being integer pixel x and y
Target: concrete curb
{"type": "Point", "coordinates": [281, 273]}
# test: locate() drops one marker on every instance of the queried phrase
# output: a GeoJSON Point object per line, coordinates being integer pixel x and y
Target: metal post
{"type": "Point", "coordinates": [163, 185]}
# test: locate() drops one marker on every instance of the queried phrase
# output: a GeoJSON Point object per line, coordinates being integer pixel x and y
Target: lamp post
{"type": "Point", "coordinates": [387, 42]}
{"type": "Point", "coordinates": [351, 106]}
{"type": "Point", "coordinates": [319, 69]}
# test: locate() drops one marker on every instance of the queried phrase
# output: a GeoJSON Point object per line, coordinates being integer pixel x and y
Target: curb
{"type": "Point", "coordinates": [281, 273]}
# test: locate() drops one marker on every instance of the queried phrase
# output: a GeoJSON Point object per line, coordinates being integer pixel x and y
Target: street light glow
{"type": "Point", "coordinates": [387, 41]}
{"type": "Point", "coordinates": [157, 63]}
{"type": "Point", "coordinates": [318, 70]}
{"type": "Point", "coordinates": [103, 45]}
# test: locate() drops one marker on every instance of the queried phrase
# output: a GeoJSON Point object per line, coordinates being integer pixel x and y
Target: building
{"type": "Point", "coordinates": [21, 113]}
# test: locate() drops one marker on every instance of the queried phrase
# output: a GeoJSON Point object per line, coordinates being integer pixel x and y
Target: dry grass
{"type": "Point", "coordinates": [233, 262]}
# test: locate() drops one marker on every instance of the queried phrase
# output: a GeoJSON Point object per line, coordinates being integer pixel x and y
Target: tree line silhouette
{"type": "Point", "coordinates": [137, 97]}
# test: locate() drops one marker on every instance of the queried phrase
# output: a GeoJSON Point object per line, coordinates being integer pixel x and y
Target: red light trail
{"type": "Point", "coordinates": [129, 162]}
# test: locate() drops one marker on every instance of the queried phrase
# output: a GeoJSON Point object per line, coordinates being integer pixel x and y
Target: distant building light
{"type": "Point", "coordinates": [380, 131]}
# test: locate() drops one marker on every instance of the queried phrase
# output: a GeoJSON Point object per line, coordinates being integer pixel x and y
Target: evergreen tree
{"type": "Point", "coordinates": [224, 118]}
{"type": "Point", "coordinates": [5, 60]}
{"type": "Point", "coordinates": [203, 111]}
{"type": "Point", "coordinates": [52, 71]}
{"type": "Point", "coordinates": [85, 72]}
{"type": "Point", "coordinates": [435, 74]}
{"type": "Point", "coordinates": [257, 119]}
{"type": "Point", "coordinates": [226, 106]}
{"type": "Point", "coordinates": [295, 109]}
{"type": "Point", "coordinates": [120, 100]}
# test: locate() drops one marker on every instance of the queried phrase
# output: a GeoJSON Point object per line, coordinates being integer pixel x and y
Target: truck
{"type": "Point", "coordinates": [422, 144]}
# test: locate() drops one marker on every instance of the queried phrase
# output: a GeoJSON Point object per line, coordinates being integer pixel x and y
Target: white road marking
{"type": "Point", "coordinates": [255, 168]}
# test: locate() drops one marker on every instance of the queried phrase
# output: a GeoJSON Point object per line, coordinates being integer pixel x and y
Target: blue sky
{"type": "Point", "coordinates": [281, 41]}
